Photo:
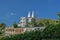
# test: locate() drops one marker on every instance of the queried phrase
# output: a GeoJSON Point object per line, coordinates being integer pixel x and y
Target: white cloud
{"type": "Point", "coordinates": [7, 16]}
{"type": "Point", "coordinates": [12, 14]}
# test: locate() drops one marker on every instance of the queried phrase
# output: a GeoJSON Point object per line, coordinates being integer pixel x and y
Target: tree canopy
{"type": "Point", "coordinates": [15, 25]}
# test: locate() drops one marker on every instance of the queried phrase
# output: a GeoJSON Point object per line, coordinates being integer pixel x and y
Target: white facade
{"type": "Point", "coordinates": [22, 22]}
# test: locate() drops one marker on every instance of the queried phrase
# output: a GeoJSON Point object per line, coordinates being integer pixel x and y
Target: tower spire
{"type": "Point", "coordinates": [32, 14]}
{"type": "Point", "coordinates": [29, 14]}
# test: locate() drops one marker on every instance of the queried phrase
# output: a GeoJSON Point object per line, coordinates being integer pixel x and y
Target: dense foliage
{"type": "Point", "coordinates": [14, 25]}
{"type": "Point", "coordinates": [50, 32]}
{"type": "Point", "coordinates": [33, 35]}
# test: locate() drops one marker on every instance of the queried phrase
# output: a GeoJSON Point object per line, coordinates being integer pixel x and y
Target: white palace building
{"type": "Point", "coordinates": [24, 20]}
{"type": "Point", "coordinates": [22, 24]}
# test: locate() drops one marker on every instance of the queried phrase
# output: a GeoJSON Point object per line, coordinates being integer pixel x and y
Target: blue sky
{"type": "Point", "coordinates": [12, 10]}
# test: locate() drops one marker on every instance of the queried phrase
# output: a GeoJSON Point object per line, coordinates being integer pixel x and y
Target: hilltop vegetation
{"type": "Point", "coordinates": [51, 32]}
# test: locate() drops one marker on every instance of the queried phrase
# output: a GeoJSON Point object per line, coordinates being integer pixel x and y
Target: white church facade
{"type": "Point", "coordinates": [24, 20]}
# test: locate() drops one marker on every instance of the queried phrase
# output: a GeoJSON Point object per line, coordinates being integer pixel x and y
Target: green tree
{"type": "Point", "coordinates": [40, 23]}
{"type": "Point", "coordinates": [58, 14]}
{"type": "Point", "coordinates": [27, 24]}
{"type": "Point", "coordinates": [44, 22]}
{"type": "Point", "coordinates": [32, 35]}
{"type": "Point", "coordinates": [15, 25]}
{"type": "Point", "coordinates": [53, 31]}
{"type": "Point", "coordinates": [33, 22]}
{"type": "Point", "coordinates": [48, 22]}
{"type": "Point", "coordinates": [2, 27]}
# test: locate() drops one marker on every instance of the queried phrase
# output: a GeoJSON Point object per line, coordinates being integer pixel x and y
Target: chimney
{"type": "Point", "coordinates": [29, 14]}
{"type": "Point", "coordinates": [32, 14]}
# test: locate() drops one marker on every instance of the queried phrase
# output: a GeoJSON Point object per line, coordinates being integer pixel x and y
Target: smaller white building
{"type": "Point", "coordinates": [22, 22]}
